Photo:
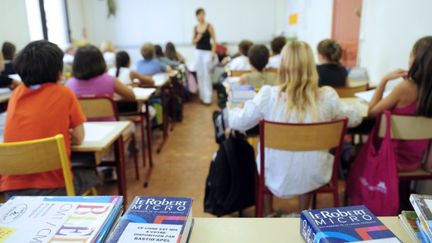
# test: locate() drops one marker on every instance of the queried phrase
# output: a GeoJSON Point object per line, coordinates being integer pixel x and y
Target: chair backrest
{"type": "Point", "coordinates": [407, 127]}
{"type": "Point", "coordinates": [271, 70]}
{"type": "Point", "coordinates": [36, 156]}
{"type": "Point", "coordinates": [238, 73]}
{"type": "Point", "coordinates": [348, 92]}
{"type": "Point", "coordinates": [95, 108]}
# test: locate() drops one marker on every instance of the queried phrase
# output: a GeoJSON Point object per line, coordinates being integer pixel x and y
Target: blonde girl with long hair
{"type": "Point", "coordinates": [296, 99]}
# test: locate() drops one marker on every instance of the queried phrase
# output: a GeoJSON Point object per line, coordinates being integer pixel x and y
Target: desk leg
{"type": "Point", "coordinates": [149, 145]}
{"type": "Point", "coordinates": [121, 171]}
{"type": "Point", "coordinates": [165, 125]}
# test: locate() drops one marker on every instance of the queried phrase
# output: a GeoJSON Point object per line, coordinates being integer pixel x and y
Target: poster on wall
{"type": "Point", "coordinates": [295, 17]}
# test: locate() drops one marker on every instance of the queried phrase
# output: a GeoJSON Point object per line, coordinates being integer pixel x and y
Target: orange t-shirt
{"type": "Point", "coordinates": [42, 112]}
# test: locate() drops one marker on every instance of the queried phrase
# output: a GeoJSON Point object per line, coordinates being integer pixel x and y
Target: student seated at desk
{"type": "Point", "coordinates": [241, 62]}
{"type": "Point", "coordinates": [43, 108]}
{"type": "Point", "coordinates": [160, 56]}
{"type": "Point", "coordinates": [331, 72]}
{"type": "Point", "coordinates": [297, 99]}
{"type": "Point", "coordinates": [258, 58]}
{"type": "Point", "coordinates": [276, 47]}
{"type": "Point", "coordinates": [123, 72]}
{"type": "Point", "coordinates": [91, 79]}
{"type": "Point", "coordinates": [172, 54]}
{"type": "Point", "coordinates": [8, 53]}
{"type": "Point", "coordinates": [150, 65]}
{"type": "Point", "coordinates": [410, 97]}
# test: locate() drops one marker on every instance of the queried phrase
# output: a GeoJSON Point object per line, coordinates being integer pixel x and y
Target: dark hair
{"type": "Point", "coordinates": [259, 56]}
{"type": "Point", "coordinates": [330, 50]}
{"type": "Point", "coordinates": [421, 74]}
{"type": "Point", "coordinates": [277, 44]}
{"type": "Point", "coordinates": [8, 50]}
{"type": "Point", "coordinates": [171, 52]}
{"type": "Point", "coordinates": [199, 11]}
{"type": "Point", "coordinates": [122, 60]}
{"type": "Point", "coordinates": [244, 46]}
{"type": "Point", "coordinates": [39, 62]}
{"type": "Point", "coordinates": [148, 51]}
{"type": "Point", "coordinates": [158, 51]}
{"type": "Point", "coordinates": [88, 63]}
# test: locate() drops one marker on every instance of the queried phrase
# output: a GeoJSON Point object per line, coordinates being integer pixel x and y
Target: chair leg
{"type": "Point", "coordinates": [143, 140]}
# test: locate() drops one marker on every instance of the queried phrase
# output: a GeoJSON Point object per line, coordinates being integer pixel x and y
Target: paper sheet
{"type": "Point", "coordinates": [367, 95]}
{"type": "Point", "coordinates": [95, 132]}
{"type": "Point", "coordinates": [160, 78]}
{"type": "Point", "coordinates": [143, 93]}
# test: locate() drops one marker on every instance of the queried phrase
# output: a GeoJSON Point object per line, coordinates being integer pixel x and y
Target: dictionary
{"type": "Point", "coordinates": [155, 219]}
{"type": "Point", "coordinates": [422, 205]}
{"type": "Point", "coordinates": [346, 224]}
{"type": "Point", "coordinates": [58, 218]}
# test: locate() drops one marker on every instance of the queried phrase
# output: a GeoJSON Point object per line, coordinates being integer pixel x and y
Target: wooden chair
{"type": "Point", "coordinates": [409, 128]}
{"type": "Point", "coordinates": [97, 108]}
{"type": "Point", "coordinates": [301, 137]}
{"type": "Point", "coordinates": [349, 92]}
{"type": "Point", "coordinates": [37, 156]}
{"type": "Point", "coordinates": [272, 70]}
{"type": "Point", "coordinates": [238, 73]}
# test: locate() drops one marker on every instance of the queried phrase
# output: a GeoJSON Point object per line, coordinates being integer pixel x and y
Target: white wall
{"type": "Point", "coordinates": [389, 29]}
{"type": "Point", "coordinates": [13, 25]}
{"type": "Point", "coordinates": [76, 18]}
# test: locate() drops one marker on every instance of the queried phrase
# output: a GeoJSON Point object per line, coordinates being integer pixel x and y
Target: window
{"type": "Point", "coordinates": [48, 20]}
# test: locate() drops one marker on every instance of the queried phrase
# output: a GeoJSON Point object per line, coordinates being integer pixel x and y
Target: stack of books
{"type": "Point", "coordinates": [418, 223]}
{"type": "Point", "coordinates": [347, 224]}
{"type": "Point", "coordinates": [58, 218]}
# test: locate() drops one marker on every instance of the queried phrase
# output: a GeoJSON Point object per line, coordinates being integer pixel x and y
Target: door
{"type": "Point", "coordinates": [346, 28]}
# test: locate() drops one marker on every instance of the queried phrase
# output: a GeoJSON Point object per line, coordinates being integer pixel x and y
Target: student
{"type": "Point", "coordinates": [410, 97]}
{"type": "Point", "coordinates": [38, 109]}
{"type": "Point", "coordinates": [276, 46]}
{"type": "Point", "coordinates": [172, 54]}
{"type": "Point", "coordinates": [150, 65]}
{"type": "Point", "coordinates": [242, 61]}
{"type": "Point", "coordinates": [160, 56]}
{"type": "Point", "coordinates": [330, 71]}
{"type": "Point", "coordinates": [108, 51]}
{"type": "Point", "coordinates": [8, 52]}
{"type": "Point", "coordinates": [123, 72]}
{"type": "Point", "coordinates": [297, 99]}
{"type": "Point", "coordinates": [91, 79]}
{"type": "Point", "coordinates": [258, 58]}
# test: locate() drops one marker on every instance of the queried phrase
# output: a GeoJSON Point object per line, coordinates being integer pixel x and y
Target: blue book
{"type": "Point", "coordinates": [155, 219]}
{"type": "Point", "coordinates": [423, 235]}
{"type": "Point", "coordinates": [347, 224]}
{"type": "Point", "coordinates": [422, 205]}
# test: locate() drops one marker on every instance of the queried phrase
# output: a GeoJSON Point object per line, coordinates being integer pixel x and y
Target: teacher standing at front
{"type": "Point", "coordinates": [204, 39]}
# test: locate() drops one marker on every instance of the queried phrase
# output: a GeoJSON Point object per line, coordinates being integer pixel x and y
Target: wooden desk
{"type": "Point", "coordinates": [263, 230]}
{"type": "Point", "coordinates": [143, 96]}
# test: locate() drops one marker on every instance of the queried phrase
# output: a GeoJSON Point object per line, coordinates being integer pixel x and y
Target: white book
{"type": "Point", "coordinates": [143, 93]}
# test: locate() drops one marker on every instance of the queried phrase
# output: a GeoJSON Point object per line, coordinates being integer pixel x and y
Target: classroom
{"type": "Point", "coordinates": [216, 121]}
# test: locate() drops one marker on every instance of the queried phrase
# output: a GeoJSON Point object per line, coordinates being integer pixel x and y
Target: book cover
{"type": "Point", "coordinates": [155, 219]}
{"type": "Point", "coordinates": [408, 220]}
{"type": "Point", "coordinates": [55, 219]}
{"type": "Point", "coordinates": [347, 224]}
{"type": "Point", "coordinates": [422, 205]}
{"type": "Point", "coordinates": [423, 235]}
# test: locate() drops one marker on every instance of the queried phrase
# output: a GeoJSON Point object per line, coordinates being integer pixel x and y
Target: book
{"type": "Point", "coordinates": [422, 205]}
{"type": "Point", "coordinates": [57, 218]}
{"type": "Point", "coordinates": [143, 93]}
{"type": "Point", "coordinates": [347, 224]}
{"type": "Point", "coordinates": [408, 220]}
{"type": "Point", "coordinates": [358, 74]}
{"type": "Point", "coordinates": [242, 93]}
{"type": "Point", "coordinates": [155, 219]}
{"type": "Point", "coordinates": [423, 235]}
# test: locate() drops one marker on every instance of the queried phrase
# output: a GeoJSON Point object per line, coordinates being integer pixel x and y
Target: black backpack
{"type": "Point", "coordinates": [220, 123]}
{"type": "Point", "coordinates": [230, 185]}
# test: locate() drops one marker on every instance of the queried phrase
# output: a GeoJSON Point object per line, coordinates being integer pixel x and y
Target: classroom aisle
{"type": "Point", "coordinates": [182, 166]}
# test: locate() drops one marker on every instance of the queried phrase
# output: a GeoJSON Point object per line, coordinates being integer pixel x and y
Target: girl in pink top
{"type": "Point", "coordinates": [90, 77]}
{"type": "Point", "coordinates": [411, 97]}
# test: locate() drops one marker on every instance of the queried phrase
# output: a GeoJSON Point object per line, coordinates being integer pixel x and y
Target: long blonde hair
{"type": "Point", "coordinates": [298, 79]}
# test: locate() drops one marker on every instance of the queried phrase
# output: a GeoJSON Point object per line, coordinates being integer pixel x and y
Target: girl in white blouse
{"type": "Point", "coordinates": [297, 99]}
{"type": "Point", "coordinates": [123, 72]}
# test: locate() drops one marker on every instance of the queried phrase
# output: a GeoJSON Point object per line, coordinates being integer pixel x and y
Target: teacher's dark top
{"type": "Point", "coordinates": [204, 42]}
{"type": "Point", "coordinates": [332, 75]}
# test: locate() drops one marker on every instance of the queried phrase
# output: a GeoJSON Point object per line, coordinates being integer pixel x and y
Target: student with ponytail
{"type": "Point", "coordinates": [123, 72]}
{"type": "Point", "coordinates": [331, 72]}
{"type": "Point", "coordinates": [297, 99]}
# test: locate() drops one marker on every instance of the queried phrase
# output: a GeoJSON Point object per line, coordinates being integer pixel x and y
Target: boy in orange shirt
{"type": "Point", "coordinates": [42, 108]}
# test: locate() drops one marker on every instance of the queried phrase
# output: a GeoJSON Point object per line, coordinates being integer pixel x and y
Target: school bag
{"type": "Point", "coordinates": [230, 185]}
{"type": "Point", "coordinates": [373, 179]}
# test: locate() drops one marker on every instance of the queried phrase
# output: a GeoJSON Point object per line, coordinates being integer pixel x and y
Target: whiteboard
{"type": "Point", "coordinates": [159, 21]}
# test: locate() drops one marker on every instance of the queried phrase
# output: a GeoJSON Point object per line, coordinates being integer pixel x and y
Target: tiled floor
{"type": "Point", "coordinates": [182, 166]}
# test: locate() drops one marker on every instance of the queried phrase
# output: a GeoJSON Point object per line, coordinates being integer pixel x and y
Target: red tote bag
{"type": "Point", "coordinates": [373, 180]}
